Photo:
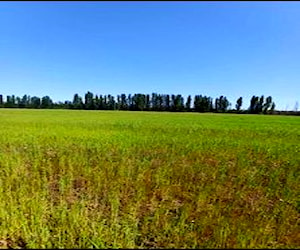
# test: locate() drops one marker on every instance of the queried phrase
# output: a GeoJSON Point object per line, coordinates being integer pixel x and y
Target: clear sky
{"type": "Point", "coordinates": [210, 48]}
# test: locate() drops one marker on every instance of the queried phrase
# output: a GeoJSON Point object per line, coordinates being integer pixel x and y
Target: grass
{"type": "Point", "coordinates": [96, 179]}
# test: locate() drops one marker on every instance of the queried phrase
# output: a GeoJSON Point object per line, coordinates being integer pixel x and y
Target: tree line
{"type": "Point", "coordinates": [143, 102]}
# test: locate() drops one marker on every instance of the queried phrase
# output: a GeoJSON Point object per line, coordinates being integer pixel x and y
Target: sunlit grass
{"type": "Point", "coordinates": [91, 179]}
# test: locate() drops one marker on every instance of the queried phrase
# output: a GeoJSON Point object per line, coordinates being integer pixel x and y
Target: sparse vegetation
{"type": "Point", "coordinates": [101, 179]}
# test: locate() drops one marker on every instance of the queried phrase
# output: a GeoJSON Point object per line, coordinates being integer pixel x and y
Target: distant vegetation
{"type": "Point", "coordinates": [145, 102]}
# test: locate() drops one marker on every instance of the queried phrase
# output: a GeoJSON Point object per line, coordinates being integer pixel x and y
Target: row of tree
{"type": "Point", "coordinates": [153, 102]}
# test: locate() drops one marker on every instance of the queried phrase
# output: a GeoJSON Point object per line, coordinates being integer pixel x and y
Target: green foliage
{"type": "Point", "coordinates": [109, 179]}
{"type": "Point", "coordinates": [46, 102]}
{"type": "Point", "coordinates": [259, 105]}
{"type": "Point", "coordinates": [35, 102]}
{"type": "Point", "coordinates": [77, 102]}
{"type": "Point", "coordinates": [141, 102]}
{"type": "Point", "coordinates": [89, 101]}
{"type": "Point", "coordinates": [221, 104]}
{"type": "Point", "coordinates": [188, 103]}
{"type": "Point", "coordinates": [239, 103]}
{"type": "Point", "coordinates": [203, 103]}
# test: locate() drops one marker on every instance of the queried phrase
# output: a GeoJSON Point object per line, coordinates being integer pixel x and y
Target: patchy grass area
{"type": "Point", "coordinates": [84, 179]}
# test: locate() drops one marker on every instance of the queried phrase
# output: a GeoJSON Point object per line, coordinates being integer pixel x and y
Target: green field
{"type": "Point", "coordinates": [100, 179]}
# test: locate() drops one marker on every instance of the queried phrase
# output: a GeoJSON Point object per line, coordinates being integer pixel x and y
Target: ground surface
{"type": "Point", "coordinates": [84, 179]}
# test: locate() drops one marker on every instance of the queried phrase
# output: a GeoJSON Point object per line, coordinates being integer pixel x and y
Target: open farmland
{"type": "Point", "coordinates": [84, 179]}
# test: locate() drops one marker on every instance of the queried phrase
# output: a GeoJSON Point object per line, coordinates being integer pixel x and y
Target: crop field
{"type": "Point", "coordinates": [111, 179]}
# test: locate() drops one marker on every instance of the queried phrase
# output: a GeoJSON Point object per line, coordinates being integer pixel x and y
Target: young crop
{"type": "Point", "coordinates": [118, 179]}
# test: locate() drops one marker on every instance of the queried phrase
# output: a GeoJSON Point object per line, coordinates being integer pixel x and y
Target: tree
{"type": "Point", "coordinates": [111, 104]}
{"type": "Point", "coordinates": [66, 105]}
{"type": "Point", "coordinates": [188, 103]}
{"type": "Point", "coordinates": [172, 106]}
{"type": "Point", "coordinates": [221, 104]}
{"type": "Point", "coordinates": [273, 107]}
{"type": "Point", "coordinates": [148, 103]}
{"type": "Point", "coordinates": [139, 102]}
{"type": "Point", "coordinates": [35, 102]}
{"type": "Point", "coordinates": [154, 102]}
{"type": "Point", "coordinates": [267, 104]}
{"type": "Point", "coordinates": [260, 105]}
{"type": "Point", "coordinates": [96, 102]}
{"type": "Point", "coordinates": [160, 102]}
{"type": "Point", "coordinates": [9, 102]}
{"type": "Point", "coordinates": [197, 103]}
{"type": "Point", "coordinates": [13, 101]}
{"type": "Point", "coordinates": [224, 104]}
{"type": "Point", "coordinates": [24, 102]}
{"type": "Point", "coordinates": [177, 103]}
{"type": "Point", "coordinates": [239, 103]}
{"type": "Point", "coordinates": [77, 102]}
{"type": "Point", "coordinates": [100, 104]}
{"type": "Point", "coordinates": [203, 103]}
{"type": "Point", "coordinates": [89, 101]}
{"type": "Point", "coordinates": [18, 102]}
{"type": "Point", "coordinates": [46, 102]}
{"type": "Point", "coordinates": [123, 105]}
{"type": "Point", "coordinates": [166, 102]}
{"type": "Point", "coordinates": [253, 105]}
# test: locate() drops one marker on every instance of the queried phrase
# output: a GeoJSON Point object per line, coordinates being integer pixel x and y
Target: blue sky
{"type": "Point", "coordinates": [211, 48]}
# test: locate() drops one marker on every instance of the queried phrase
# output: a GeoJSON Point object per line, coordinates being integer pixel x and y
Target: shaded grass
{"type": "Point", "coordinates": [89, 179]}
